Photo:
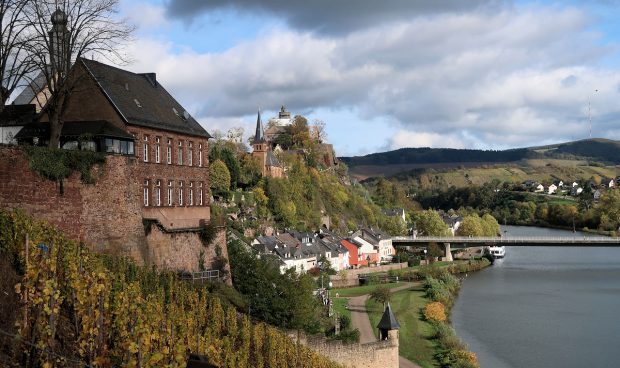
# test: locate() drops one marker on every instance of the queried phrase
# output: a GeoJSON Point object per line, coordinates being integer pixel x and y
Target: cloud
{"type": "Point", "coordinates": [331, 16]}
{"type": "Point", "coordinates": [519, 76]}
{"type": "Point", "coordinates": [144, 15]}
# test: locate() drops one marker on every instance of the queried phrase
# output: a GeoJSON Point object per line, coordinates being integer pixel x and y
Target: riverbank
{"type": "Point", "coordinates": [421, 340]}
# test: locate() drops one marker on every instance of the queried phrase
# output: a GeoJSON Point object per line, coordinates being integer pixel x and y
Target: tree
{"type": "Point", "coordinates": [318, 132]}
{"type": "Point", "coordinates": [471, 226]}
{"type": "Point", "coordinates": [381, 294]}
{"type": "Point", "coordinates": [61, 33]}
{"type": "Point", "coordinates": [490, 225]}
{"type": "Point", "coordinates": [15, 62]}
{"type": "Point", "coordinates": [219, 177]}
{"type": "Point", "coordinates": [429, 223]}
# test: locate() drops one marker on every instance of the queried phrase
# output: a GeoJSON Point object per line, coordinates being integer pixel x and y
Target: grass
{"type": "Point", "coordinates": [360, 290]}
{"type": "Point", "coordinates": [416, 343]}
{"type": "Point", "coordinates": [340, 307]}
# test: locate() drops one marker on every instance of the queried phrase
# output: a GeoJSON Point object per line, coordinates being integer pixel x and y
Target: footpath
{"type": "Point", "coordinates": [360, 320]}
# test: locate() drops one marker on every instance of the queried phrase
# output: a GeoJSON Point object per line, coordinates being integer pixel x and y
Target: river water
{"type": "Point", "coordinates": [543, 307]}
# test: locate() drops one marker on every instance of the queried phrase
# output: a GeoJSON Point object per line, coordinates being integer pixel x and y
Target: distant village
{"type": "Point", "coordinates": [573, 188]}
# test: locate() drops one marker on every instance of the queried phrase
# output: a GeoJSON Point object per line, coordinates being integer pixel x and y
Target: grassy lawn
{"type": "Point", "coordinates": [416, 342]}
{"type": "Point", "coordinates": [360, 290]}
{"type": "Point", "coordinates": [340, 307]}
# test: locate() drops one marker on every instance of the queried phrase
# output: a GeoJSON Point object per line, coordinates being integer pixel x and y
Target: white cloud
{"type": "Point", "coordinates": [520, 76]}
{"type": "Point", "coordinates": [146, 16]}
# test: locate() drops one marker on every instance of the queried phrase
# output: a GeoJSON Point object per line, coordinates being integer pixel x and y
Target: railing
{"type": "Point", "coordinates": [510, 239]}
{"type": "Point", "coordinates": [202, 276]}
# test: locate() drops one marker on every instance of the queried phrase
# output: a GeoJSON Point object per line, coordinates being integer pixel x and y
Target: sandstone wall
{"type": "Point", "coordinates": [107, 216]}
{"type": "Point", "coordinates": [379, 354]}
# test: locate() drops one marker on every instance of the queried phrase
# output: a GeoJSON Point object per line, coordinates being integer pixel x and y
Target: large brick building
{"type": "Point", "coordinates": [124, 113]}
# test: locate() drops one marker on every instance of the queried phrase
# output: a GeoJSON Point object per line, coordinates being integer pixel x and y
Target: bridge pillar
{"type": "Point", "coordinates": [448, 256]}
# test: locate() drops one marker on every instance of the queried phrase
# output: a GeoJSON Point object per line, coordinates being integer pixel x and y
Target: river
{"type": "Point", "coordinates": [543, 307]}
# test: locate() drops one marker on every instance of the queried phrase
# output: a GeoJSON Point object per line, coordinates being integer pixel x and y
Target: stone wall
{"type": "Point", "coordinates": [352, 278]}
{"type": "Point", "coordinates": [107, 216]}
{"type": "Point", "coordinates": [378, 354]}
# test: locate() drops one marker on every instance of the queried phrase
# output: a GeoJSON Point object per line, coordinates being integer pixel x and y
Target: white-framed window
{"type": "Point", "coordinates": [169, 152]}
{"type": "Point", "coordinates": [157, 151]}
{"type": "Point", "coordinates": [158, 193]}
{"type": "Point", "coordinates": [180, 153]}
{"type": "Point", "coordinates": [190, 154]}
{"type": "Point", "coordinates": [169, 193]}
{"type": "Point", "coordinates": [146, 193]}
{"type": "Point", "coordinates": [180, 193]}
{"type": "Point", "coordinates": [146, 149]}
{"type": "Point", "coordinates": [190, 199]}
{"type": "Point", "coordinates": [200, 194]}
{"type": "Point", "coordinates": [200, 155]}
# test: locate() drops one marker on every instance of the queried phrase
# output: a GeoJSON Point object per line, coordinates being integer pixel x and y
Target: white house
{"type": "Point", "coordinates": [576, 191]}
{"type": "Point", "coordinates": [552, 189]}
{"type": "Point", "coordinates": [380, 241]}
{"type": "Point", "coordinates": [539, 188]}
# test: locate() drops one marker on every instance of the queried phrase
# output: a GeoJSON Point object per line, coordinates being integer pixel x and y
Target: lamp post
{"type": "Point", "coordinates": [425, 260]}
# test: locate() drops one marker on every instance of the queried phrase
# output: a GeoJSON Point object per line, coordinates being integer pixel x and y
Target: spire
{"type": "Point", "coordinates": [58, 39]}
{"type": "Point", "coordinates": [388, 320]}
{"type": "Point", "coordinates": [259, 136]}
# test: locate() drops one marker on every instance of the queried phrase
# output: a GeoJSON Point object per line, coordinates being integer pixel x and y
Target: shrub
{"type": "Point", "coordinates": [435, 311]}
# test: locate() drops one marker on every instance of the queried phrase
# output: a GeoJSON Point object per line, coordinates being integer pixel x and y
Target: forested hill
{"type": "Point", "coordinates": [604, 150]}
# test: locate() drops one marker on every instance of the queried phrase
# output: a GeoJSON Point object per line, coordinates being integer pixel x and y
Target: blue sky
{"type": "Point", "coordinates": [398, 73]}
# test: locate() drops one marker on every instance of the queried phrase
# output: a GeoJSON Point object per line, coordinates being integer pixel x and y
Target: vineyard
{"type": "Point", "coordinates": [79, 309]}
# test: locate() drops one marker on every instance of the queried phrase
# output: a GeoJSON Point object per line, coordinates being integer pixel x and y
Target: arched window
{"type": "Point", "coordinates": [158, 193]}
{"type": "Point", "coordinates": [180, 202]}
{"type": "Point", "coordinates": [145, 154]}
{"type": "Point", "coordinates": [146, 193]}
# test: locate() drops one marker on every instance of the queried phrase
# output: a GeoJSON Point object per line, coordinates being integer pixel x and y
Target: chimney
{"type": "Point", "coordinates": [151, 77]}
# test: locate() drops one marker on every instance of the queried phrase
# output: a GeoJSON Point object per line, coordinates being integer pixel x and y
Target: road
{"type": "Point", "coordinates": [360, 320]}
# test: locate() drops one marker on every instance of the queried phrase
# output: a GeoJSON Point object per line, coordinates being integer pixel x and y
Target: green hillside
{"type": "Point", "coordinates": [566, 161]}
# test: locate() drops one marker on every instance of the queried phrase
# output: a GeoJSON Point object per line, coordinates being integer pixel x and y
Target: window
{"type": "Point", "coordinates": [200, 194]}
{"type": "Point", "coordinates": [158, 193]}
{"type": "Point", "coordinates": [169, 192]}
{"type": "Point", "coordinates": [180, 154]}
{"type": "Point", "coordinates": [117, 146]}
{"type": "Point", "coordinates": [200, 155]}
{"type": "Point", "coordinates": [146, 193]}
{"type": "Point", "coordinates": [190, 200]}
{"type": "Point", "coordinates": [180, 193]}
{"type": "Point", "coordinates": [169, 152]}
{"type": "Point", "coordinates": [146, 149]}
{"type": "Point", "coordinates": [190, 154]}
{"type": "Point", "coordinates": [157, 154]}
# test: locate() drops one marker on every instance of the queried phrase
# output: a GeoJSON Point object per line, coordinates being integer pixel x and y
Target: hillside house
{"type": "Point", "coordinates": [381, 242]}
{"type": "Point", "coordinates": [360, 252]}
{"type": "Point", "coordinates": [597, 194]}
{"type": "Point", "coordinates": [551, 189]}
{"type": "Point", "coordinates": [538, 188]}
{"type": "Point", "coordinates": [452, 221]}
{"type": "Point", "coordinates": [576, 190]}
{"type": "Point", "coordinates": [395, 212]}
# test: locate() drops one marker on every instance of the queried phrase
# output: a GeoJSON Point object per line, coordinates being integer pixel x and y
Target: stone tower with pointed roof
{"type": "Point", "coordinates": [270, 166]}
{"type": "Point", "coordinates": [388, 325]}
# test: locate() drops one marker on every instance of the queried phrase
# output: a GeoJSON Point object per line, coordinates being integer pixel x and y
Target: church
{"type": "Point", "coordinates": [270, 165]}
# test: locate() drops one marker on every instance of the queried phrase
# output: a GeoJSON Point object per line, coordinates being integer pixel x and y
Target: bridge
{"type": "Point", "coordinates": [523, 241]}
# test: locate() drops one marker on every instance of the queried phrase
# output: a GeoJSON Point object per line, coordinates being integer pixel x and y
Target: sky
{"type": "Point", "coordinates": [383, 75]}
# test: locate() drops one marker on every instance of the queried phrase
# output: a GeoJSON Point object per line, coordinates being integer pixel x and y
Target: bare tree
{"type": "Point", "coordinates": [15, 61]}
{"type": "Point", "coordinates": [318, 132]}
{"type": "Point", "coordinates": [63, 31]}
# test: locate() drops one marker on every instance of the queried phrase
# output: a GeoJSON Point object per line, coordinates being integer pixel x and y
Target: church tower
{"type": "Point", "coordinates": [270, 166]}
{"type": "Point", "coordinates": [59, 43]}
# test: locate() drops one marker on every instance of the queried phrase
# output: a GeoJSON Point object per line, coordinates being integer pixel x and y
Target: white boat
{"type": "Point", "coordinates": [496, 251]}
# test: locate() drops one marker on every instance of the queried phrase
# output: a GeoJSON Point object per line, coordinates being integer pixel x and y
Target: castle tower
{"type": "Point", "coordinates": [388, 326]}
{"type": "Point", "coordinates": [270, 166]}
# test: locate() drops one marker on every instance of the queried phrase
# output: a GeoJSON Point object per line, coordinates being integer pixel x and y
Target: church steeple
{"type": "Point", "coordinates": [259, 136]}
{"type": "Point", "coordinates": [58, 39]}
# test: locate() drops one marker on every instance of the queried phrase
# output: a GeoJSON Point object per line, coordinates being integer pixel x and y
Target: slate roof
{"type": "Point", "coordinates": [17, 115]}
{"type": "Point", "coordinates": [27, 94]}
{"type": "Point", "coordinates": [100, 128]}
{"type": "Point", "coordinates": [142, 101]}
{"type": "Point", "coordinates": [388, 320]}
{"type": "Point", "coordinates": [271, 160]}
{"type": "Point", "coordinates": [259, 135]}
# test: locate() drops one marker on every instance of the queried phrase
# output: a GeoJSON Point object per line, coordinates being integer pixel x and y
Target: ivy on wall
{"type": "Point", "coordinates": [58, 164]}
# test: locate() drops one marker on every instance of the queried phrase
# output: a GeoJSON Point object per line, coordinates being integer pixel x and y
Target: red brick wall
{"type": "Point", "coordinates": [107, 215]}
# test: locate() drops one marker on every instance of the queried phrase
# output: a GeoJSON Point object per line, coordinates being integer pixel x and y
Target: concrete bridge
{"type": "Point", "coordinates": [523, 241]}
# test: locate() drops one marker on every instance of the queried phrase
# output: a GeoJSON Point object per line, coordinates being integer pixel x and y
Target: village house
{"type": "Point", "coordinates": [452, 221]}
{"type": "Point", "coordinates": [360, 252]}
{"type": "Point", "coordinates": [551, 189]}
{"type": "Point", "coordinates": [395, 212]}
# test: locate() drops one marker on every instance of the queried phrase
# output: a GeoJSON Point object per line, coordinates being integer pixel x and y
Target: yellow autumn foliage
{"type": "Point", "coordinates": [435, 311]}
